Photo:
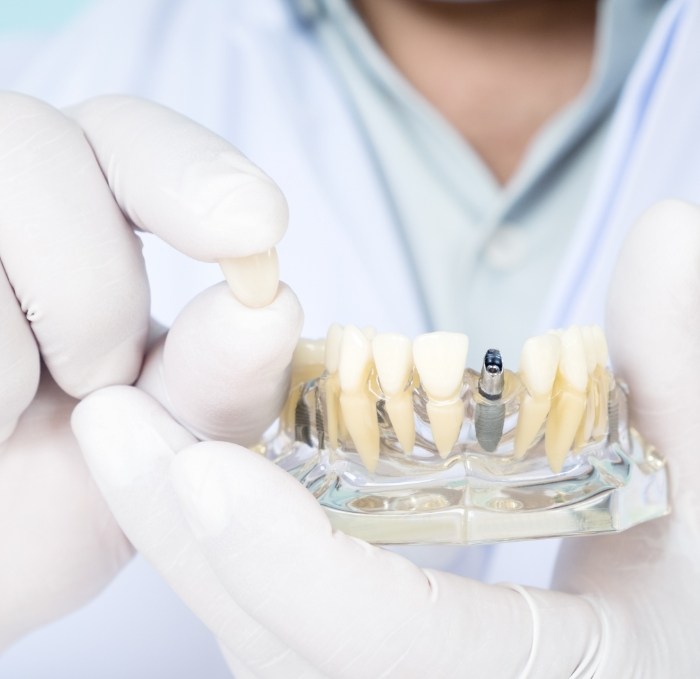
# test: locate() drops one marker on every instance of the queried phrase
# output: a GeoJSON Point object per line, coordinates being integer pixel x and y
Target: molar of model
{"type": "Point", "coordinates": [358, 405]}
{"type": "Point", "coordinates": [393, 358]}
{"type": "Point", "coordinates": [439, 358]}
{"type": "Point", "coordinates": [539, 361]}
{"type": "Point", "coordinates": [254, 279]}
{"type": "Point", "coordinates": [569, 401]}
{"type": "Point", "coordinates": [334, 338]}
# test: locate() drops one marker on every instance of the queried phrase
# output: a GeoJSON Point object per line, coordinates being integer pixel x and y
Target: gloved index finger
{"type": "Point", "coordinates": [187, 185]}
{"type": "Point", "coordinates": [74, 264]}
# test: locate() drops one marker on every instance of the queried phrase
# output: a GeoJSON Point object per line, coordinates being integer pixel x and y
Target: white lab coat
{"type": "Point", "coordinates": [250, 71]}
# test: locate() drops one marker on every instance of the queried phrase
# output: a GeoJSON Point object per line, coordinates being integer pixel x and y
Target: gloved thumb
{"type": "Point", "coordinates": [645, 580]}
{"type": "Point", "coordinates": [223, 368]}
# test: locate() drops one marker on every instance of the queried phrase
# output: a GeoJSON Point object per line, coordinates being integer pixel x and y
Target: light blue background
{"type": "Point", "coordinates": [23, 15]}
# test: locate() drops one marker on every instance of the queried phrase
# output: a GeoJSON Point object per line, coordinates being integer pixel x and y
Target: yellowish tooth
{"type": "Point", "coordinates": [445, 422]}
{"type": "Point", "coordinates": [307, 364]}
{"type": "Point", "coordinates": [596, 352]}
{"type": "Point", "coordinates": [439, 358]}
{"type": "Point", "coordinates": [393, 358]}
{"type": "Point", "coordinates": [308, 359]}
{"type": "Point", "coordinates": [602, 383]}
{"type": "Point", "coordinates": [569, 402]}
{"type": "Point", "coordinates": [357, 403]}
{"type": "Point", "coordinates": [539, 360]}
{"type": "Point", "coordinates": [334, 338]}
{"type": "Point", "coordinates": [254, 279]}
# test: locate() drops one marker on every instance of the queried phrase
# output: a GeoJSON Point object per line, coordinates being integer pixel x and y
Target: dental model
{"type": "Point", "coordinates": [401, 443]}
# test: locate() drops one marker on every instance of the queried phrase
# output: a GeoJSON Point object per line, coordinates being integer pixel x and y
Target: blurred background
{"type": "Point", "coordinates": [31, 15]}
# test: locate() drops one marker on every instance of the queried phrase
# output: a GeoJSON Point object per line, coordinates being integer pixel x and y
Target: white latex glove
{"type": "Point", "coordinates": [74, 306]}
{"type": "Point", "coordinates": [255, 557]}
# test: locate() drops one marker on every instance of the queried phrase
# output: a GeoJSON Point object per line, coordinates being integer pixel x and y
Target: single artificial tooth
{"type": "Point", "coordinates": [569, 402]}
{"type": "Point", "coordinates": [393, 358]}
{"type": "Point", "coordinates": [254, 279]}
{"type": "Point", "coordinates": [439, 358]}
{"type": "Point", "coordinates": [490, 416]}
{"type": "Point", "coordinates": [539, 360]}
{"type": "Point", "coordinates": [334, 338]}
{"type": "Point", "coordinates": [357, 403]}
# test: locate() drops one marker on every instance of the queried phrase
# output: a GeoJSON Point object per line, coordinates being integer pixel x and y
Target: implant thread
{"type": "Point", "coordinates": [490, 417]}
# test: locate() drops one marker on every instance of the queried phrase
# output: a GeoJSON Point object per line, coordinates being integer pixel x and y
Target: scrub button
{"type": "Point", "coordinates": [506, 248]}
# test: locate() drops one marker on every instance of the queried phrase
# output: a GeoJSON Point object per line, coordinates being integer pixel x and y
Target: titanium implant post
{"type": "Point", "coordinates": [490, 416]}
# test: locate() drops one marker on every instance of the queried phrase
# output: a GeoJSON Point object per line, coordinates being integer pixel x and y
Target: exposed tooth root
{"type": "Point", "coordinates": [439, 358]}
{"type": "Point", "coordinates": [569, 403]}
{"type": "Point", "coordinates": [400, 411]}
{"type": "Point", "coordinates": [445, 422]}
{"type": "Point", "coordinates": [594, 422]}
{"type": "Point", "coordinates": [360, 416]}
{"type": "Point", "coordinates": [334, 338]}
{"type": "Point", "coordinates": [562, 424]}
{"type": "Point", "coordinates": [357, 404]}
{"type": "Point", "coordinates": [585, 429]}
{"type": "Point", "coordinates": [332, 409]}
{"type": "Point", "coordinates": [602, 391]}
{"type": "Point", "coordinates": [393, 358]}
{"type": "Point", "coordinates": [531, 416]}
{"type": "Point", "coordinates": [538, 368]}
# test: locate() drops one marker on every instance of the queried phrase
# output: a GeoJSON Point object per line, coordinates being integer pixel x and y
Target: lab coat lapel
{"type": "Point", "coordinates": [652, 153]}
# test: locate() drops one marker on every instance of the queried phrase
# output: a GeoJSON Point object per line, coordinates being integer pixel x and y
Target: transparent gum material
{"type": "Point", "coordinates": [470, 496]}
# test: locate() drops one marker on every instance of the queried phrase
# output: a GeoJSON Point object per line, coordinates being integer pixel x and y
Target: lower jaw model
{"type": "Point", "coordinates": [403, 445]}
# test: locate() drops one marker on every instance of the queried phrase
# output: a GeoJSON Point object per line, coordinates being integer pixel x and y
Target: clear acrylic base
{"type": "Point", "coordinates": [471, 496]}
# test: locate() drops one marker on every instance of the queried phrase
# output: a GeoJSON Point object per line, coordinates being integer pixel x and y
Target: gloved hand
{"type": "Point", "coordinates": [74, 307]}
{"type": "Point", "coordinates": [254, 556]}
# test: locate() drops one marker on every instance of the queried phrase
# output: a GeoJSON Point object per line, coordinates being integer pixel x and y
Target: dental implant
{"type": "Point", "coordinates": [490, 415]}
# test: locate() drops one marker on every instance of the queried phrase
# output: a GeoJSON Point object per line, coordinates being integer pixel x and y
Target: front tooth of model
{"type": "Point", "coordinates": [357, 404]}
{"type": "Point", "coordinates": [539, 360]}
{"type": "Point", "coordinates": [393, 358]}
{"type": "Point", "coordinates": [569, 402]}
{"type": "Point", "coordinates": [253, 279]}
{"type": "Point", "coordinates": [334, 337]}
{"type": "Point", "coordinates": [439, 358]}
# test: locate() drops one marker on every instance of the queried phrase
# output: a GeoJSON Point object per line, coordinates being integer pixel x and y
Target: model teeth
{"type": "Point", "coordinates": [539, 361]}
{"type": "Point", "coordinates": [439, 358]}
{"type": "Point", "coordinates": [357, 404]}
{"type": "Point", "coordinates": [569, 401]}
{"type": "Point", "coordinates": [332, 384]}
{"type": "Point", "coordinates": [601, 381]}
{"type": "Point", "coordinates": [393, 358]}
{"type": "Point", "coordinates": [565, 395]}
